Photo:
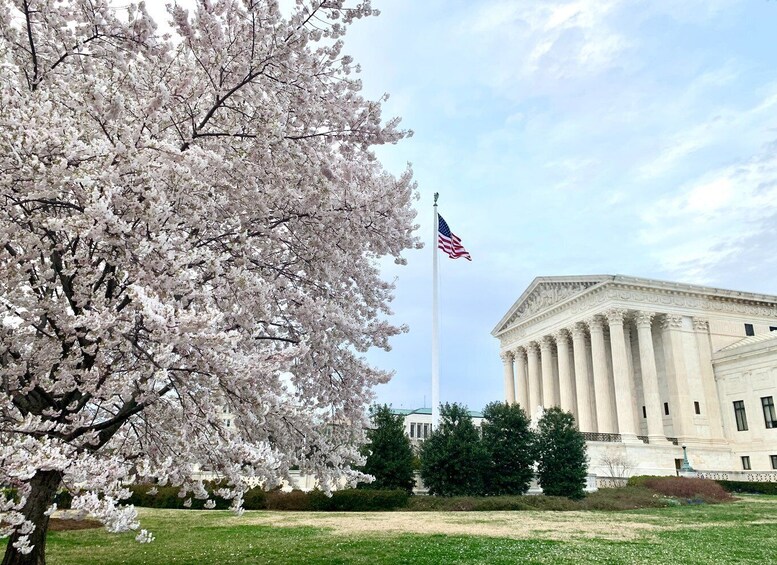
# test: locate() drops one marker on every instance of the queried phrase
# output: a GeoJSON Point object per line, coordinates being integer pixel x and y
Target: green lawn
{"type": "Point", "coordinates": [741, 532]}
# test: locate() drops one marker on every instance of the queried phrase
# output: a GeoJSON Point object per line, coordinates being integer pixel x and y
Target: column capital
{"type": "Point", "coordinates": [561, 335]}
{"type": "Point", "coordinates": [578, 330]}
{"type": "Point", "coordinates": [519, 351]}
{"type": "Point", "coordinates": [595, 324]}
{"type": "Point", "coordinates": [615, 316]}
{"type": "Point", "coordinates": [546, 342]}
{"type": "Point", "coordinates": [701, 324]}
{"type": "Point", "coordinates": [532, 348]}
{"type": "Point", "coordinates": [506, 356]}
{"type": "Point", "coordinates": [672, 322]}
{"type": "Point", "coordinates": [644, 319]}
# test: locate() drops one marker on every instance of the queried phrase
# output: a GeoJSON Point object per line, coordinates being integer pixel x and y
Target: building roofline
{"type": "Point", "coordinates": [600, 281]}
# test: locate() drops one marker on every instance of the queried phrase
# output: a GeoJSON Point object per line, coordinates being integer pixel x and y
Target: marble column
{"type": "Point", "coordinates": [627, 332]}
{"type": "Point", "coordinates": [585, 412]}
{"type": "Point", "coordinates": [624, 390]}
{"type": "Point", "coordinates": [535, 388]}
{"type": "Point", "coordinates": [701, 330]}
{"type": "Point", "coordinates": [546, 355]}
{"type": "Point", "coordinates": [647, 364]}
{"type": "Point", "coordinates": [566, 384]}
{"type": "Point", "coordinates": [605, 402]}
{"type": "Point", "coordinates": [680, 405]}
{"type": "Point", "coordinates": [521, 383]}
{"type": "Point", "coordinates": [509, 376]}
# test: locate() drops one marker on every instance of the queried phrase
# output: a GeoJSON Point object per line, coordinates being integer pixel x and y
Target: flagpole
{"type": "Point", "coordinates": [435, 324]}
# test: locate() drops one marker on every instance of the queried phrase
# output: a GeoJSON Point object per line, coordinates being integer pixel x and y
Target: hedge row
{"type": "Point", "coordinates": [258, 499]}
{"type": "Point", "coordinates": [749, 488]}
{"type": "Point", "coordinates": [729, 486]}
{"type": "Point", "coordinates": [609, 499]}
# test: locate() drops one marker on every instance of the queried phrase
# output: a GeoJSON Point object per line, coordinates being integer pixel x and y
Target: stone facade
{"type": "Point", "coordinates": [647, 366]}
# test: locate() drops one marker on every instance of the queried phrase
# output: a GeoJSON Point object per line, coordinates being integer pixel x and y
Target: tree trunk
{"type": "Point", "coordinates": [44, 488]}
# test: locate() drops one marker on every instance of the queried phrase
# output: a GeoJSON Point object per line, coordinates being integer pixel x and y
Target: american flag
{"type": "Point", "coordinates": [450, 242]}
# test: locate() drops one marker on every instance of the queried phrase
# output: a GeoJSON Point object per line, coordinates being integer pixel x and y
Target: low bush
{"type": "Point", "coordinates": [749, 487]}
{"type": "Point", "coordinates": [640, 480]}
{"type": "Point", "coordinates": [348, 500]}
{"type": "Point", "coordinates": [623, 498]}
{"type": "Point", "coordinates": [468, 503]}
{"type": "Point", "coordinates": [296, 500]}
{"type": "Point", "coordinates": [704, 490]}
{"type": "Point", "coordinates": [167, 497]}
{"type": "Point", "coordinates": [610, 499]}
{"type": "Point", "coordinates": [491, 503]}
{"type": "Point", "coordinates": [364, 500]}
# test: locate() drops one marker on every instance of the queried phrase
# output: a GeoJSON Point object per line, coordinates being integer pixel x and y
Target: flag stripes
{"type": "Point", "coordinates": [449, 242]}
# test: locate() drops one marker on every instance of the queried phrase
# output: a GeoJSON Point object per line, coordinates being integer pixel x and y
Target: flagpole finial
{"type": "Point", "coordinates": [436, 196]}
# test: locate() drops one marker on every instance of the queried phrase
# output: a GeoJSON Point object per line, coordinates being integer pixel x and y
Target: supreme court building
{"type": "Point", "coordinates": [648, 366]}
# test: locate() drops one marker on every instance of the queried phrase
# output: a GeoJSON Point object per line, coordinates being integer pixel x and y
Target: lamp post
{"type": "Point", "coordinates": [686, 466]}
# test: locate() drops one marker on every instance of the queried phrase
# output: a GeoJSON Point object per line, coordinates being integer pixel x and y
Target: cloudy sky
{"type": "Point", "coordinates": [571, 138]}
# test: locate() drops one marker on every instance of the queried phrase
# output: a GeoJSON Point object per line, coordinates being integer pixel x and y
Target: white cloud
{"type": "Point", "coordinates": [719, 126]}
{"type": "Point", "coordinates": [544, 42]}
{"type": "Point", "coordinates": [713, 218]}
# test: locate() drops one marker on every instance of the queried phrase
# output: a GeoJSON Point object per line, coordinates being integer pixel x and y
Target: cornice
{"type": "Point", "coordinates": [657, 296]}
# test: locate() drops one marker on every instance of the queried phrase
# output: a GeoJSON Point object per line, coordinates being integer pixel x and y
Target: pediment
{"type": "Point", "coordinates": [545, 293]}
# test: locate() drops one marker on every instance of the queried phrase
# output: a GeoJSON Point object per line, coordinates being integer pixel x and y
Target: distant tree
{"type": "Point", "coordinates": [388, 451]}
{"type": "Point", "coordinates": [509, 443]}
{"type": "Point", "coordinates": [561, 455]}
{"type": "Point", "coordinates": [615, 464]}
{"type": "Point", "coordinates": [453, 458]}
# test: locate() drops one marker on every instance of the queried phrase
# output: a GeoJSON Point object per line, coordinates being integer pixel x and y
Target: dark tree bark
{"type": "Point", "coordinates": [44, 488]}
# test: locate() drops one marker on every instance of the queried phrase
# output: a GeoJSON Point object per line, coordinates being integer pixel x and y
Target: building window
{"type": "Point", "coordinates": [666, 409]}
{"type": "Point", "coordinates": [696, 407]}
{"type": "Point", "coordinates": [739, 414]}
{"type": "Point", "coordinates": [773, 328]}
{"type": "Point", "coordinates": [644, 412]}
{"type": "Point", "coordinates": [749, 329]}
{"type": "Point", "coordinates": [746, 462]}
{"type": "Point", "coordinates": [770, 416]}
{"type": "Point", "coordinates": [412, 429]}
{"type": "Point", "coordinates": [426, 430]}
{"type": "Point", "coordinates": [774, 461]}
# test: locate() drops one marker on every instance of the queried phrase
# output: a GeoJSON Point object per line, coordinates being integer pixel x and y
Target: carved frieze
{"type": "Point", "coordinates": [547, 295]}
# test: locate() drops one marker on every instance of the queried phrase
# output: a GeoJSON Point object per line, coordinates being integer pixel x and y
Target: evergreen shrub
{"type": "Point", "coordinates": [562, 462]}
{"type": "Point", "coordinates": [747, 487]}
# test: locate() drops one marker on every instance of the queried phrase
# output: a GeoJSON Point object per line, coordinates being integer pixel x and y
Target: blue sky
{"type": "Point", "coordinates": [566, 138]}
{"type": "Point", "coordinates": [570, 138]}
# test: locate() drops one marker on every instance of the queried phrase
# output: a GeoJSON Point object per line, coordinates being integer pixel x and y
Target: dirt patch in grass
{"type": "Point", "coordinates": [514, 525]}
{"type": "Point", "coordinates": [62, 525]}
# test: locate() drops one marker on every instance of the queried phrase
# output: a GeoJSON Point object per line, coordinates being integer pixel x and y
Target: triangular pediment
{"type": "Point", "coordinates": [545, 293]}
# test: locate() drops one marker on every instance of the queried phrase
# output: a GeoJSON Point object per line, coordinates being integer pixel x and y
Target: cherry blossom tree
{"type": "Point", "coordinates": [189, 223]}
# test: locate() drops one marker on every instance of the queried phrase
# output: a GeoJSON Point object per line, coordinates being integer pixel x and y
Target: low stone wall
{"type": "Point", "coordinates": [745, 476]}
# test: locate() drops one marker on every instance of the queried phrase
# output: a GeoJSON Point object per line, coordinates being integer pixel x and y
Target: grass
{"type": "Point", "coordinates": [723, 533]}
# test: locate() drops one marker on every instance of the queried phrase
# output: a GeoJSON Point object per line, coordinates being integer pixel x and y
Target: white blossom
{"type": "Point", "coordinates": [187, 225]}
{"type": "Point", "coordinates": [144, 536]}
